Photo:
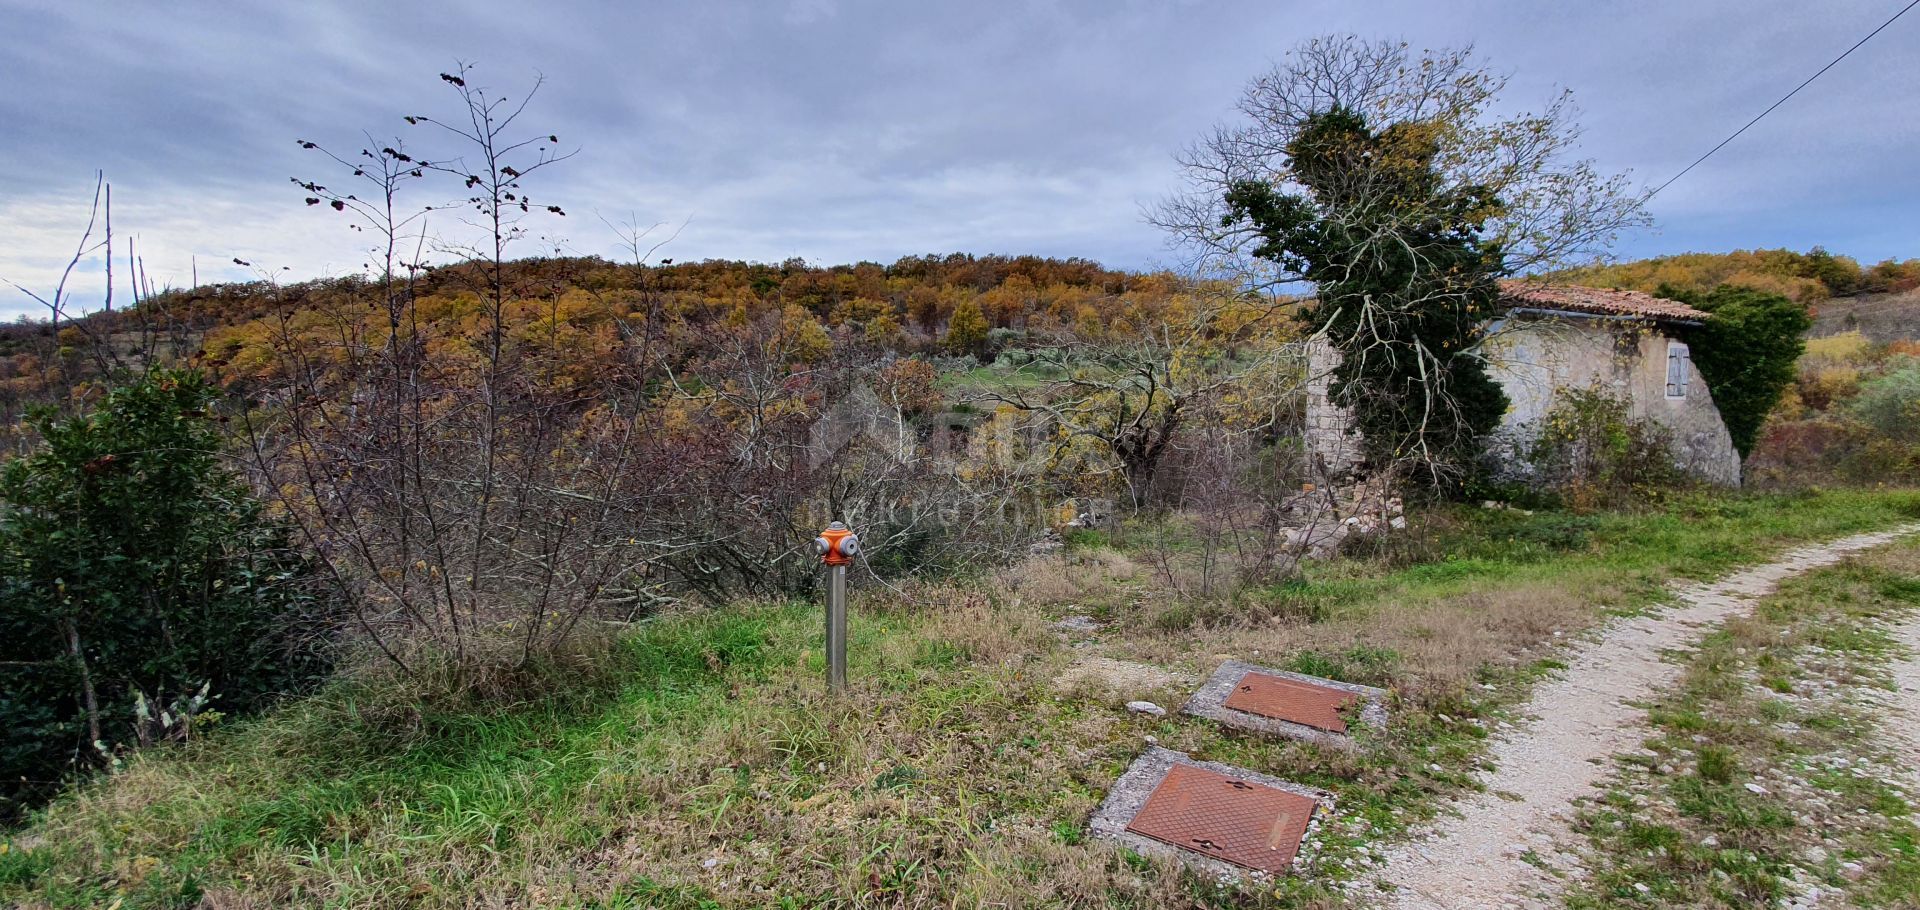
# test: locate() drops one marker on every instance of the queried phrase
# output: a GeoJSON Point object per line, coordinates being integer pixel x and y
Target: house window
{"type": "Point", "coordinates": [1676, 370]}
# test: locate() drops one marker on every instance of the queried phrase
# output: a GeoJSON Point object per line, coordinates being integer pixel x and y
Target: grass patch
{"type": "Point", "coordinates": [1766, 776]}
{"type": "Point", "coordinates": [712, 771]}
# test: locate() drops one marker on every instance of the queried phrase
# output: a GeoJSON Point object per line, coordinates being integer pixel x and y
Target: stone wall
{"type": "Point", "coordinates": [1331, 438]}
{"type": "Point", "coordinates": [1531, 356]}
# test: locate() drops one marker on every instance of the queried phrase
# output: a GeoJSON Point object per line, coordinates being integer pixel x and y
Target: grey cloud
{"type": "Point", "coordinates": [863, 129]}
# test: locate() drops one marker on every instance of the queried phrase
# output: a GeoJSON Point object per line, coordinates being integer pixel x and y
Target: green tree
{"type": "Point", "coordinates": [1840, 274]}
{"type": "Point", "coordinates": [1746, 352]}
{"type": "Point", "coordinates": [967, 329]}
{"type": "Point", "coordinates": [140, 585]}
{"type": "Point", "coordinates": [1404, 283]}
{"type": "Point", "coordinates": [1890, 402]}
{"type": "Point", "coordinates": [1555, 209]}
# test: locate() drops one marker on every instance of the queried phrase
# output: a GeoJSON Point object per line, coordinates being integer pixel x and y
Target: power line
{"type": "Point", "coordinates": [1783, 99]}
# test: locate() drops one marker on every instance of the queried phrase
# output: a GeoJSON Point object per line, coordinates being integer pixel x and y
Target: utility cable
{"type": "Point", "coordinates": [1783, 99]}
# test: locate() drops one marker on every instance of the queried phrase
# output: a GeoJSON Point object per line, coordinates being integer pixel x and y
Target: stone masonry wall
{"type": "Point", "coordinates": [1532, 357]}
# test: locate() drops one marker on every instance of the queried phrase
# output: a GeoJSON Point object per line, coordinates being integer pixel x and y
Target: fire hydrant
{"type": "Point", "coordinates": [837, 547]}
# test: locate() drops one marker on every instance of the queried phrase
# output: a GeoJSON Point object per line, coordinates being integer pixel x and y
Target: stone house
{"type": "Point", "coordinates": [1554, 337]}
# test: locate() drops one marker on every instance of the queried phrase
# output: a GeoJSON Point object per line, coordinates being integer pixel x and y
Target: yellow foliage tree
{"type": "Point", "coordinates": [967, 330]}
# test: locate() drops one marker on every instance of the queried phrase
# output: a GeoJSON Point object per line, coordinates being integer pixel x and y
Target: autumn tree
{"type": "Point", "coordinates": [967, 330]}
{"type": "Point", "coordinates": [1804, 277]}
{"type": "Point", "coordinates": [884, 331]}
{"type": "Point", "coordinates": [1132, 396]}
{"type": "Point", "coordinates": [907, 388]}
{"type": "Point", "coordinates": [1009, 302]}
{"type": "Point", "coordinates": [923, 307]}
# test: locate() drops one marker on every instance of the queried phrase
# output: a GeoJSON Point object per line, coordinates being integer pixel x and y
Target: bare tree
{"type": "Point", "coordinates": [1132, 396]}
{"type": "Point", "coordinates": [422, 468]}
{"type": "Point", "coordinates": [1553, 207]}
{"type": "Point", "coordinates": [1387, 182]}
{"type": "Point", "coordinates": [59, 301]}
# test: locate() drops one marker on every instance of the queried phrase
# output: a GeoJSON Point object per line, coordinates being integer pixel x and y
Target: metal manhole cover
{"type": "Point", "coordinates": [1288, 700]}
{"type": "Point", "coordinates": [1243, 823]}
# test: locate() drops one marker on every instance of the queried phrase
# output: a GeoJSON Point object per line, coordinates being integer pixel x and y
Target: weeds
{"type": "Point", "coordinates": [1766, 778]}
{"type": "Point", "coordinates": [700, 764]}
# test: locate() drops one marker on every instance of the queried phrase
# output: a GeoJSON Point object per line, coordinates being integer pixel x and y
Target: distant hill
{"type": "Point", "coordinates": [1878, 317]}
{"type": "Point", "coordinates": [1810, 277]}
{"type": "Point", "coordinates": [580, 309]}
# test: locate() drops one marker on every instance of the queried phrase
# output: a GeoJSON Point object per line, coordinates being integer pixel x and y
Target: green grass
{"type": "Point", "coordinates": [1002, 377]}
{"type": "Point", "coordinates": [713, 771]}
{"type": "Point", "coordinates": [1693, 536]}
{"type": "Point", "coordinates": [1731, 835]}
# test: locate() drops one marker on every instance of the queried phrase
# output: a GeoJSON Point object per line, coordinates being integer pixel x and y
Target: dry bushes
{"type": "Point", "coordinates": [954, 773]}
{"type": "Point", "coordinates": [1847, 420]}
{"type": "Point", "coordinates": [1593, 452]}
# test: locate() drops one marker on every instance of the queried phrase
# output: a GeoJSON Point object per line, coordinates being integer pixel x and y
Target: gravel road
{"type": "Point", "coordinates": [1479, 858]}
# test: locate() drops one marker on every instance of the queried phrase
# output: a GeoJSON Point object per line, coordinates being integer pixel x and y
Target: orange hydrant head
{"type": "Point", "coordinates": [836, 545]}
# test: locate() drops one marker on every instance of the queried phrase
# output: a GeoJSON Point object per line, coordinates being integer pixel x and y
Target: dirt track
{"type": "Point", "coordinates": [1479, 858]}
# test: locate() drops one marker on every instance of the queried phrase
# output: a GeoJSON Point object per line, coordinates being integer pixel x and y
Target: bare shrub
{"type": "Point", "coordinates": [1244, 505]}
{"type": "Point", "coordinates": [490, 468]}
{"type": "Point", "coordinates": [472, 507]}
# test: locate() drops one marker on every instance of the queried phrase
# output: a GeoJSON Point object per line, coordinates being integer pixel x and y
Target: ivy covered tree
{"type": "Point", "coordinates": [141, 587]}
{"type": "Point", "coordinates": [1746, 352]}
{"type": "Point", "coordinates": [1390, 183]}
{"type": "Point", "coordinates": [1404, 283]}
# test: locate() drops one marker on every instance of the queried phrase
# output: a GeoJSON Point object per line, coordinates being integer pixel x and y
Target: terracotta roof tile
{"type": "Point", "coordinates": [1599, 301]}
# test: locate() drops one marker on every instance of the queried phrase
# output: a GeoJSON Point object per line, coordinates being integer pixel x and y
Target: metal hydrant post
{"type": "Point", "coordinates": [837, 546]}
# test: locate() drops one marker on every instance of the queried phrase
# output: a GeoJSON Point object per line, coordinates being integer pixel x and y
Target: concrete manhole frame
{"type": "Point", "coordinates": [1210, 702]}
{"type": "Point", "coordinates": [1129, 795]}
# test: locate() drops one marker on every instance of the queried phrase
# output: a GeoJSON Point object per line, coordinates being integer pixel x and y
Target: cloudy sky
{"type": "Point", "coordinates": [840, 131]}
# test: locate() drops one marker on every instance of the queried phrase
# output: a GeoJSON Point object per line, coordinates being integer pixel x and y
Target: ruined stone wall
{"type": "Point", "coordinates": [1331, 438]}
{"type": "Point", "coordinates": [1532, 356]}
